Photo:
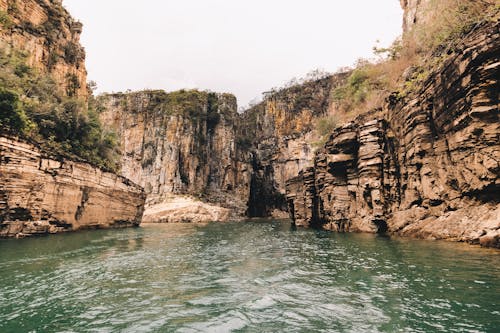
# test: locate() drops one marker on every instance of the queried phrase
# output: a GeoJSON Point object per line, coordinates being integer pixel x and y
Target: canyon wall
{"type": "Point", "coordinates": [180, 143]}
{"type": "Point", "coordinates": [427, 168]}
{"type": "Point", "coordinates": [280, 136]}
{"type": "Point", "coordinates": [196, 144]}
{"type": "Point", "coordinates": [41, 194]}
{"type": "Point", "coordinates": [49, 38]}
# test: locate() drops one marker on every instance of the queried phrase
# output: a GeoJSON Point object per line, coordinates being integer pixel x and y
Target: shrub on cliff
{"type": "Point", "coordinates": [32, 108]}
{"type": "Point", "coordinates": [324, 128]}
{"type": "Point", "coordinates": [11, 114]}
{"type": "Point", "coordinates": [5, 20]}
{"type": "Point", "coordinates": [447, 21]}
{"type": "Point", "coordinates": [407, 63]}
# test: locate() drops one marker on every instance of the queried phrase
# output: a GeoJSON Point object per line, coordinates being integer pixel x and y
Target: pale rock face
{"type": "Point", "coordinates": [183, 209]}
{"type": "Point", "coordinates": [50, 38]}
{"type": "Point", "coordinates": [40, 195]}
{"type": "Point", "coordinates": [172, 149]}
{"type": "Point", "coordinates": [429, 169]}
{"type": "Point", "coordinates": [415, 12]}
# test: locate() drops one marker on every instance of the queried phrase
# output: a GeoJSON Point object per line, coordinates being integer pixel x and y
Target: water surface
{"type": "Point", "coordinates": [260, 276]}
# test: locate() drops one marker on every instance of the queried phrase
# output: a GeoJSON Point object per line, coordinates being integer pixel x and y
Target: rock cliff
{"type": "Point", "coordinates": [40, 191]}
{"type": "Point", "coordinates": [180, 143]}
{"type": "Point", "coordinates": [195, 143]}
{"type": "Point", "coordinates": [50, 38]}
{"type": "Point", "coordinates": [41, 194]}
{"type": "Point", "coordinates": [427, 168]}
{"type": "Point", "coordinates": [280, 136]}
{"type": "Point", "coordinates": [424, 165]}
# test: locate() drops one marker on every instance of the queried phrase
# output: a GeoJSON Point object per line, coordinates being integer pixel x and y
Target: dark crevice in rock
{"type": "Point", "coordinates": [489, 194]}
{"type": "Point", "coordinates": [264, 197]}
{"type": "Point", "coordinates": [20, 214]}
{"type": "Point", "coordinates": [85, 198]}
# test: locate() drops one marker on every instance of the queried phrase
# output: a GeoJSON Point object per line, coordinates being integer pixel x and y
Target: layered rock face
{"type": "Point", "coordinates": [280, 136]}
{"type": "Point", "coordinates": [180, 143]}
{"type": "Point", "coordinates": [196, 144]}
{"type": "Point", "coordinates": [428, 169]}
{"type": "Point", "coordinates": [353, 181]}
{"type": "Point", "coordinates": [50, 39]}
{"type": "Point", "coordinates": [40, 194]}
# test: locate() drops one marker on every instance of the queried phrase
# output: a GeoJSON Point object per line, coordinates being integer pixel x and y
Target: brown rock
{"type": "Point", "coordinates": [40, 195]}
{"type": "Point", "coordinates": [50, 38]}
{"type": "Point", "coordinates": [180, 143]}
{"type": "Point", "coordinates": [429, 169]}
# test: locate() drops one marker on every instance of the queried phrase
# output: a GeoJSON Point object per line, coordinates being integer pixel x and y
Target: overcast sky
{"type": "Point", "coordinates": [240, 46]}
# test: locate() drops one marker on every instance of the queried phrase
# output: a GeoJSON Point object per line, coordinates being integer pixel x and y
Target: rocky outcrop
{"type": "Point", "coordinates": [50, 39]}
{"type": "Point", "coordinates": [185, 209]}
{"type": "Point", "coordinates": [279, 134]}
{"type": "Point", "coordinates": [180, 143]}
{"type": "Point", "coordinates": [41, 194]}
{"type": "Point", "coordinates": [195, 143]}
{"type": "Point", "coordinates": [353, 181]}
{"type": "Point", "coordinates": [429, 168]}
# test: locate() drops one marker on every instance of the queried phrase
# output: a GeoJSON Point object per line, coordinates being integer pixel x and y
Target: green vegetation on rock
{"type": "Point", "coordinates": [406, 64]}
{"type": "Point", "coordinates": [324, 128]}
{"type": "Point", "coordinates": [5, 20]}
{"type": "Point", "coordinates": [32, 108]}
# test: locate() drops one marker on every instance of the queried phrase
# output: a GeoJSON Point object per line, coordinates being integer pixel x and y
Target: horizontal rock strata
{"type": "Point", "coordinates": [428, 169]}
{"type": "Point", "coordinates": [40, 195]}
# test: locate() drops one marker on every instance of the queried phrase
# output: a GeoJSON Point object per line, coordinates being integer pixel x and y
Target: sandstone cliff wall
{"type": "Point", "coordinates": [429, 168]}
{"type": "Point", "coordinates": [180, 143]}
{"type": "Point", "coordinates": [280, 136]}
{"type": "Point", "coordinates": [195, 143]}
{"type": "Point", "coordinates": [49, 37]}
{"type": "Point", "coordinates": [40, 194]}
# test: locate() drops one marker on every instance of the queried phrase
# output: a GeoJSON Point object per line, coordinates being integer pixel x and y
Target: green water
{"type": "Point", "coordinates": [245, 277]}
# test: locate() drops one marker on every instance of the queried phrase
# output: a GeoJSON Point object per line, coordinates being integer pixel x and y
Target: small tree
{"type": "Point", "coordinates": [12, 117]}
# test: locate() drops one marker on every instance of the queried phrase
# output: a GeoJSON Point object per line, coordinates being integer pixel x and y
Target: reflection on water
{"type": "Point", "coordinates": [260, 276]}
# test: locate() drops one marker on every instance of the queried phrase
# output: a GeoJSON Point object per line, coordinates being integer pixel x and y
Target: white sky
{"type": "Point", "coordinates": [241, 47]}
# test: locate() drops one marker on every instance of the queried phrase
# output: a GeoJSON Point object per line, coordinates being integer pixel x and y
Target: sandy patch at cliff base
{"type": "Point", "coordinates": [185, 210]}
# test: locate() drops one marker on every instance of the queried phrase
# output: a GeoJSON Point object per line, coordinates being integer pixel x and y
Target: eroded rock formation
{"type": "Point", "coordinates": [181, 143]}
{"type": "Point", "coordinates": [428, 168]}
{"type": "Point", "coordinates": [41, 194]}
{"type": "Point", "coordinates": [195, 143]}
{"type": "Point", "coordinates": [50, 39]}
{"type": "Point", "coordinates": [280, 135]}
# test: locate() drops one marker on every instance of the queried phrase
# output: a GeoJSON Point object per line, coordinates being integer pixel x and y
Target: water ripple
{"type": "Point", "coordinates": [245, 277]}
